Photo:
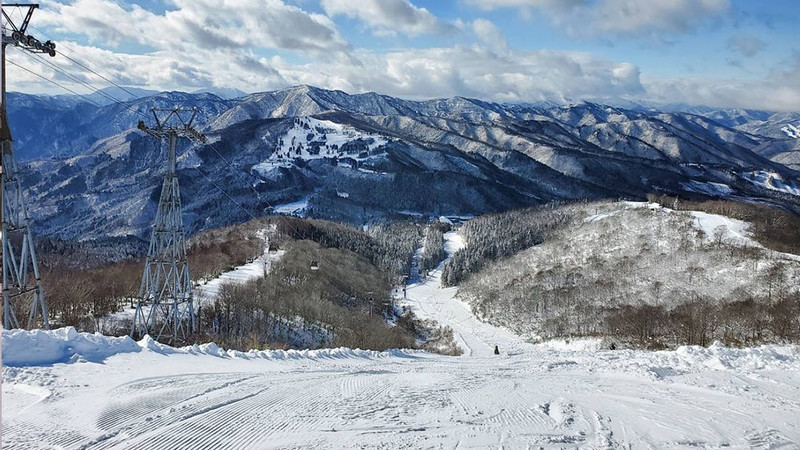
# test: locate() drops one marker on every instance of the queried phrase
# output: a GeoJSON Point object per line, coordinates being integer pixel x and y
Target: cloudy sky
{"type": "Point", "coordinates": [725, 53]}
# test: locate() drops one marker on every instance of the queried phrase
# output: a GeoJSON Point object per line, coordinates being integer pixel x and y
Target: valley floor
{"type": "Point", "coordinates": [89, 391]}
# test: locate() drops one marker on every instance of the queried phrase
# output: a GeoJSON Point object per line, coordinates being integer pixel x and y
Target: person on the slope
{"type": "Point", "coordinates": [496, 350]}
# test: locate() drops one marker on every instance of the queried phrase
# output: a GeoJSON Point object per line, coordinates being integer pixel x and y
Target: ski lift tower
{"type": "Point", "coordinates": [22, 283]}
{"type": "Point", "coordinates": [166, 286]}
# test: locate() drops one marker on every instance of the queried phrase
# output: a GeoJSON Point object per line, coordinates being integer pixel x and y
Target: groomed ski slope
{"type": "Point", "coordinates": [428, 299]}
{"type": "Point", "coordinates": [71, 390]}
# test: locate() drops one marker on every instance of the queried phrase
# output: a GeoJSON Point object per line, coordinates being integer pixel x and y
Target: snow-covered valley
{"type": "Point", "coordinates": [63, 389]}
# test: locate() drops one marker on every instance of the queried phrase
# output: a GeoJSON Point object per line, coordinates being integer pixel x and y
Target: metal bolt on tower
{"type": "Point", "coordinates": [22, 283]}
{"type": "Point", "coordinates": [166, 286]}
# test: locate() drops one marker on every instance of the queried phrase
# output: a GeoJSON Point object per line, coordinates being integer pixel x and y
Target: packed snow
{"type": "Point", "coordinates": [116, 393]}
{"type": "Point", "coordinates": [298, 208]}
{"type": "Point", "coordinates": [773, 181]}
{"type": "Point", "coordinates": [429, 300]}
{"type": "Point", "coordinates": [64, 389]}
{"type": "Point", "coordinates": [259, 267]}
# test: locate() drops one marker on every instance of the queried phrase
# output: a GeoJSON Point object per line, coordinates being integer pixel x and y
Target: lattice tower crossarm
{"type": "Point", "coordinates": [166, 286]}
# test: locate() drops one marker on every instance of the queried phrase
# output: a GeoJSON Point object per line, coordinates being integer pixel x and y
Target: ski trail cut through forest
{"type": "Point", "coordinates": [257, 268]}
{"type": "Point", "coordinates": [429, 300]}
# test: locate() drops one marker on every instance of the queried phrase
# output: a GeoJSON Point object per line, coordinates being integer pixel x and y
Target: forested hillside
{"type": "Point", "coordinates": [331, 287]}
{"type": "Point", "coordinates": [643, 275]}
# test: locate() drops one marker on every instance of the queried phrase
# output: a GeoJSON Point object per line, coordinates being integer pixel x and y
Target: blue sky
{"type": "Point", "coordinates": [725, 53]}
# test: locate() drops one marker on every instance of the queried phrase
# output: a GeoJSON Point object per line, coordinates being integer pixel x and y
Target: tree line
{"type": "Point", "coordinates": [500, 235]}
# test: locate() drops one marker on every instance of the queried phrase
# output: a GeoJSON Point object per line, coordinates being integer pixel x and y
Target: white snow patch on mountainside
{"type": "Point", "coordinates": [297, 208]}
{"type": "Point", "coordinates": [791, 131]}
{"type": "Point", "coordinates": [708, 188]}
{"type": "Point", "coordinates": [734, 231]}
{"type": "Point", "coordinates": [773, 181]}
{"type": "Point", "coordinates": [311, 138]}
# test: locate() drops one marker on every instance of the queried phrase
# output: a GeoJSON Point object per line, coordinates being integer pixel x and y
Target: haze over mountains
{"type": "Point", "coordinates": [365, 157]}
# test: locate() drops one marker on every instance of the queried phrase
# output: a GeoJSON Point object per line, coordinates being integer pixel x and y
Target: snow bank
{"type": "Point", "coordinates": [683, 360]}
{"type": "Point", "coordinates": [572, 345]}
{"type": "Point", "coordinates": [66, 345]}
{"type": "Point", "coordinates": [719, 357]}
{"type": "Point", "coordinates": [696, 359]}
{"type": "Point", "coordinates": [325, 353]}
{"type": "Point", "coordinates": [40, 348]}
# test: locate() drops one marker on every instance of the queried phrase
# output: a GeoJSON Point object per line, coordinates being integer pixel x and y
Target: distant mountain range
{"type": "Point", "coordinates": [369, 157]}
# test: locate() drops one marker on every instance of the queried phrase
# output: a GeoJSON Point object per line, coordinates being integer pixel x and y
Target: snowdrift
{"type": "Point", "coordinates": [67, 345]}
{"type": "Point", "coordinates": [39, 347]}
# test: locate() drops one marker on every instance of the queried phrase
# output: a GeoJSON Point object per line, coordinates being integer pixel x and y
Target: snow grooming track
{"type": "Point", "coordinates": [205, 398]}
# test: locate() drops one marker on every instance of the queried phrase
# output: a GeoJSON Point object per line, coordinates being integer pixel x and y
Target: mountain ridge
{"type": "Point", "coordinates": [456, 156]}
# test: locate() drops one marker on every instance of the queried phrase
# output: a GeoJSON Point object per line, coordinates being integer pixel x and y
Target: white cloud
{"type": "Point", "coordinates": [779, 91]}
{"type": "Point", "coordinates": [387, 16]}
{"type": "Point", "coordinates": [197, 24]}
{"type": "Point", "coordinates": [651, 18]}
{"type": "Point", "coordinates": [202, 43]}
{"type": "Point", "coordinates": [476, 72]}
{"type": "Point", "coordinates": [489, 34]}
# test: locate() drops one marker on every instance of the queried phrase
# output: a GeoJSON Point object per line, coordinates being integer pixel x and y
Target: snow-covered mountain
{"type": "Point", "coordinates": [365, 157]}
{"type": "Point", "coordinates": [66, 126]}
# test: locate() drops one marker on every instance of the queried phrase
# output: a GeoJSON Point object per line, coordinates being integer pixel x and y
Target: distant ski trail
{"type": "Point", "coordinates": [429, 299]}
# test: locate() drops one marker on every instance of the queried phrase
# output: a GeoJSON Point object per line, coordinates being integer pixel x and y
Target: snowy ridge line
{"type": "Point", "coordinates": [67, 345]}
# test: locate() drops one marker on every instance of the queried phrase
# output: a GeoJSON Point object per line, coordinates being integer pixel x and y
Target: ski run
{"type": "Point", "coordinates": [70, 390]}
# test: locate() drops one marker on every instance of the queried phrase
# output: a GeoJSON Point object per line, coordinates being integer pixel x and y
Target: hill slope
{"type": "Point", "coordinates": [639, 273]}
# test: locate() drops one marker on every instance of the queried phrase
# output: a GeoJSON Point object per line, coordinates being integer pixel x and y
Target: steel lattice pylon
{"type": "Point", "coordinates": [22, 284]}
{"type": "Point", "coordinates": [166, 285]}
{"type": "Point", "coordinates": [20, 269]}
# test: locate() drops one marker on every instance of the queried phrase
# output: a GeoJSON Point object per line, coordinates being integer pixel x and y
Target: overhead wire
{"type": "Point", "coordinates": [226, 193]}
{"type": "Point", "coordinates": [53, 82]}
{"type": "Point", "coordinates": [85, 66]}
{"type": "Point", "coordinates": [117, 101]}
{"type": "Point", "coordinates": [74, 78]}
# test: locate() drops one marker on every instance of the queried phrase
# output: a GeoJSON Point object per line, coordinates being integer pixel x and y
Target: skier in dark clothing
{"type": "Point", "coordinates": [496, 350]}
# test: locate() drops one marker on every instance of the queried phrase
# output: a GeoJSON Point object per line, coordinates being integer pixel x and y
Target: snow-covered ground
{"type": "Point", "coordinates": [311, 138]}
{"type": "Point", "coordinates": [206, 292]}
{"type": "Point", "coordinates": [773, 181]}
{"type": "Point", "coordinates": [94, 392]}
{"type": "Point", "coordinates": [428, 299]}
{"type": "Point", "coordinates": [297, 208]}
{"type": "Point", "coordinates": [63, 389]}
